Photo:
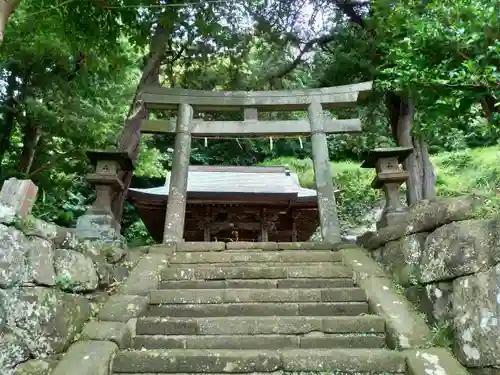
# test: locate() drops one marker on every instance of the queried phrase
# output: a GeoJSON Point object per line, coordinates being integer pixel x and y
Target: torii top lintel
{"type": "Point", "coordinates": [158, 97]}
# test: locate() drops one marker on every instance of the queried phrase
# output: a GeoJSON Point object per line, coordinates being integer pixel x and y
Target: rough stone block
{"type": "Point", "coordinates": [13, 251]}
{"type": "Point", "coordinates": [460, 248]}
{"type": "Point", "coordinates": [43, 366]}
{"type": "Point", "coordinates": [145, 276]}
{"type": "Point", "coordinates": [433, 361]}
{"type": "Point", "coordinates": [122, 308]}
{"type": "Point", "coordinates": [20, 195]}
{"type": "Point", "coordinates": [87, 358]}
{"type": "Point", "coordinates": [75, 271]}
{"type": "Point", "coordinates": [402, 258]}
{"type": "Point", "coordinates": [46, 319]}
{"type": "Point", "coordinates": [96, 227]}
{"type": "Point", "coordinates": [40, 257]}
{"type": "Point", "coordinates": [32, 226]}
{"type": "Point", "coordinates": [476, 311]}
{"type": "Point", "coordinates": [116, 332]}
{"type": "Point", "coordinates": [12, 352]}
{"type": "Point", "coordinates": [424, 217]}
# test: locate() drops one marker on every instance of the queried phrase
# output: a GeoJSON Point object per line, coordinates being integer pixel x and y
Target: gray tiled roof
{"type": "Point", "coordinates": [249, 180]}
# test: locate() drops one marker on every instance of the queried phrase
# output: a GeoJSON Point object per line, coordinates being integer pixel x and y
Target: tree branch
{"type": "Point", "coordinates": [322, 40]}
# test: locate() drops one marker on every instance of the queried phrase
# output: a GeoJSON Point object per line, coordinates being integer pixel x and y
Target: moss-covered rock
{"type": "Point", "coordinates": [45, 319]}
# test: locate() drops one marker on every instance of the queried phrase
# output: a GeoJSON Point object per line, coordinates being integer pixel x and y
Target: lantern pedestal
{"type": "Point", "coordinates": [389, 178]}
{"type": "Point", "coordinates": [99, 223]}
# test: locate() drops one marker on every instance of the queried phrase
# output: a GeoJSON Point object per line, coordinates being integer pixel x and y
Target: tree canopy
{"type": "Point", "coordinates": [70, 70]}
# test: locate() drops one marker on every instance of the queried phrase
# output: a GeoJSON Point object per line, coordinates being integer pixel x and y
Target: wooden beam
{"type": "Point", "coordinates": [158, 97]}
{"type": "Point", "coordinates": [252, 128]}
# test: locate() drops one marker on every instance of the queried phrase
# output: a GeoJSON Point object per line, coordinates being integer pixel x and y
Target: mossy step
{"type": "Point", "coordinates": [238, 295]}
{"type": "Point", "coordinates": [258, 284]}
{"type": "Point", "coordinates": [285, 325]}
{"type": "Point", "coordinates": [350, 361]}
{"type": "Point", "coordinates": [285, 256]}
{"type": "Point", "coordinates": [259, 309]}
{"type": "Point", "coordinates": [316, 341]}
{"type": "Point", "coordinates": [261, 272]}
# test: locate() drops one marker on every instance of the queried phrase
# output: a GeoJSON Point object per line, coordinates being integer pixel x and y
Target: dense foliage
{"type": "Point", "coordinates": [70, 70]}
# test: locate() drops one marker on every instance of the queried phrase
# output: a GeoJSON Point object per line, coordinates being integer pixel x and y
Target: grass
{"type": "Point", "coordinates": [457, 173]}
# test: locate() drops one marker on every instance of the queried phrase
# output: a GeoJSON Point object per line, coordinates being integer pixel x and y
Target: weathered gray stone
{"type": "Point", "coordinates": [200, 246]}
{"type": "Point", "coordinates": [7, 214]}
{"type": "Point", "coordinates": [19, 194]}
{"type": "Point", "coordinates": [476, 311]}
{"type": "Point", "coordinates": [12, 257]}
{"type": "Point", "coordinates": [424, 217]}
{"type": "Point", "coordinates": [87, 358]}
{"type": "Point", "coordinates": [145, 276]}
{"type": "Point", "coordinates": [405, 328]}
{"type": "Point", "coordinates": [195, 361]}
{"type": "Point", "coordinates": [437, 301]}
{"type": "Point", "coordinates": [433, 361]}
{"type": "Point", "coordinates": [116, 332]}
{"type": "Point", "coordinates": [76, 269]}
{"type": "Point", "coordinates": [241, 245]}
{"type": "Point", "coordinates": [460, 248]}
{"type": "Point", "coordinates": [12, 352]}
{"type": "Point", "coordinates": [65, 239]}
{"type": "Point", "coordinates": [402, 258]}
{"type": "Point", "coordinates": [36, 367]}
{"type": "Point", "coordinates": [46, 319]}
{"type": "Point", "coordinates": [122, 308]}
{"type": "Point", "coordinates": [32, 226]}
{"type": "Point", "coordinates": [96, 227]}
{"type": "Point", "coordinates": [41, 261]}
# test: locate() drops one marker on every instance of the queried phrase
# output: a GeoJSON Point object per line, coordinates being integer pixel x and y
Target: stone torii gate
{"type": "Point", "coordinates": [113, 168]}
{"type": "Point", "coordinates": [251, 103]}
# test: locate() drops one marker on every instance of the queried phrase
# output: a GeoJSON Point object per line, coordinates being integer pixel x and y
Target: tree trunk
{"type": "Point", "coordinates": [31, 136]}
{"type": "Point", "coordinates": [488, 104]}
{"type": "Point", "coordinates": [9, 115]}
{"type": "Point", "coordinates": [131, 135]}
{"type": "Point", "coordinates": [7, 7]}
{"type": "Point", "coordinates": [421, 180]}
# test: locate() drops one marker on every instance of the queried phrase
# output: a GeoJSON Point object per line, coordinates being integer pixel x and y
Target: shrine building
{"type": "Point", "coordinates": [227, 203]}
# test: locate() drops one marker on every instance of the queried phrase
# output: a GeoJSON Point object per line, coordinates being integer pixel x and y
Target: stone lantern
{"type": "Point", "coordinates": [99, 223]}
{"type": "Point", "coordinates": [389, 178]}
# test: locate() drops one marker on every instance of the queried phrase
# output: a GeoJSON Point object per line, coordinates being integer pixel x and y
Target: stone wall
{"type": "Point", "coordinates": [449, 264]}
{"type": "Point", "coordinates": [51, 284]}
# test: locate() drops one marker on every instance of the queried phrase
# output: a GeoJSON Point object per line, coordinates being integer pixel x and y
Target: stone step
{"type": "Point", "coordinates": [348, 361]}
{"type": "Point", "coordinates": [262, 272]}
{"type": "Point", "coordinates": [258, 284]}
{"type": "Point", "coordinates": [252, 264]}
{"type": "Point", "coordinates": [259, 309]}
{"type": "Point", "coordinates": [281, 325]}
{"type": "Point", "coordinates": [216, 296]}
{"type": "Point", "coordinates": [319, 341]}
{"type": "Point", "coordinates": [285, 256]}
{"type": "Point", "coordinates": [285, 373]}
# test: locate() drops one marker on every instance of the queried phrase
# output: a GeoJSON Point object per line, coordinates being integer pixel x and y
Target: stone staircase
{"type": "Point", "coordinates": [258, 311]}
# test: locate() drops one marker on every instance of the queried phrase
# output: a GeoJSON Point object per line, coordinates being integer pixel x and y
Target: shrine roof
{"type": "Point", "coordinates": [220, 181]}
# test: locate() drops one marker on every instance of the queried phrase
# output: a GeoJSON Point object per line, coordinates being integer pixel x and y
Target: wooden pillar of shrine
{"type": "Point", "coordinates": [327, 206]}
{"type": "Point", "coordinates": [176, 207]}
{"type": "Point", "coordinates": [264, 235]}
{"type": "Point", "coordinates": [294, 214]}
{"type": "Point", "coordinates": [207, 221]}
